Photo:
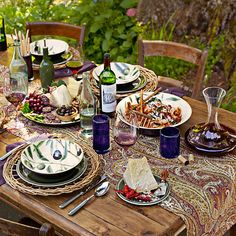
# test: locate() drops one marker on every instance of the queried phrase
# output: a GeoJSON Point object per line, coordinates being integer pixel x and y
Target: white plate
{"type": "Point", "coordinates": [125, 73]}
{"type": "Point", "coordinates": [166, 98]}
{"type": "Point", "coordinates": [55, 47]}
{"type": "Point", "coordinates": [51, 156]}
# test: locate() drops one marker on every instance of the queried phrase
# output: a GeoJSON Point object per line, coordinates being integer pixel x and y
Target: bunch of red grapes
{"type": "Point", "coordinates": [37, 102]}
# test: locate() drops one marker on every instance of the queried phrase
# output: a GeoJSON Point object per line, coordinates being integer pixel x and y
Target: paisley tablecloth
{"type": "Point", "coordinates": [203, 193]}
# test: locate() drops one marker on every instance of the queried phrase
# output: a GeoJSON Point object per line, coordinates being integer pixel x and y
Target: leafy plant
{"type": "Point", "coordinates": [108, 29]}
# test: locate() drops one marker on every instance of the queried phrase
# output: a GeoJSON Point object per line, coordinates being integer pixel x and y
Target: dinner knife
{"type": "Point", "coordinates": [70, 200]}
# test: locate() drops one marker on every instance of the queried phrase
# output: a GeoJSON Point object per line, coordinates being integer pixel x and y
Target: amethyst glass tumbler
{"type": "Point", "coordinates": [101, 136]}
{"type": "Point", "coordinates": [169, 142]}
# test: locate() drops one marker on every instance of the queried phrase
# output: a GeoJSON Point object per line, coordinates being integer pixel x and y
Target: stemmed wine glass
{"type": "Point", "coordinates": [125, 132]}
{"type": "Point", "coordinates": [15, 91]}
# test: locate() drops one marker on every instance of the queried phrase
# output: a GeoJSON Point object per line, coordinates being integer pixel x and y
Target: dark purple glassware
{"type": "Point", "coordinates": [101, 135]}
{"type": "Point", "coordinates": [169, 142]}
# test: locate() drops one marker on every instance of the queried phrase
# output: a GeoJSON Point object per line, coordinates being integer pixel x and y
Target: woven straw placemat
{"type": "Point", "coordinates": [12, 179]}
{"type": "Point", "coordinates": [149, 75]}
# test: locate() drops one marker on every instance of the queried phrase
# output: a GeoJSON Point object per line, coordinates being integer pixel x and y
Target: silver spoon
{"type": "Point", "coordinates": [99, 191]}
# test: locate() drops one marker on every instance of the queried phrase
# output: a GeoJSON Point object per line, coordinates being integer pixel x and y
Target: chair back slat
{"type": "Point", "coordinates": [56, 29]}
{"type": "Point", "coordinates": [178, 51]}
{"type": "Point", "coordinates": [13, 228]}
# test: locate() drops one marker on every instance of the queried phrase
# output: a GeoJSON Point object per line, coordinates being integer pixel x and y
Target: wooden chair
{"type": "Point", "coordinates": [13, 228]}
{"type": "Point", "coordinates": [179, 51]}
{"type": "Point", "coordinates": [57, 29]}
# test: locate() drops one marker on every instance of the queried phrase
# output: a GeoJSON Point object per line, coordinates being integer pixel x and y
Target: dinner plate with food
{"type": "Point", "coordinates": [155, 110]}
{"type": "Point", "coordinates": [140, 187]}
{"type": "Point", "coordinates": [125, 73]}
{"type": "Point", "coordinates": [58, 106]}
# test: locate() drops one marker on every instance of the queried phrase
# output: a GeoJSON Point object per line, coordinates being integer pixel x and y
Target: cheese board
{"type": "Point", "coordinates": [59, 106]}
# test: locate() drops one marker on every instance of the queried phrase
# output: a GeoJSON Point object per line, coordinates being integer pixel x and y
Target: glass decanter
{"type": "Point", "coordinates": [87, 106]}
{"type": "Point", "coordinates": [211, 136]}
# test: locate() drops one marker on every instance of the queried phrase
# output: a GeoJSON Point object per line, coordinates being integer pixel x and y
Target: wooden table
{"type": "Point", "coordinates": [108, 215]}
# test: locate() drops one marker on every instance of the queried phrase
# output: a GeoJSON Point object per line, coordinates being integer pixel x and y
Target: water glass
{"type": "Point", "coordinates": [28, 61]}
{"type": "Point", "coordinates": [101, 135]}
{"type": "Point", "coordinates": [169, 142]}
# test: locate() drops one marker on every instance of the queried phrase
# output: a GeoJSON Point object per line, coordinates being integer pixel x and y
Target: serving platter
{"type": "Point", "coordinates": [42, 181]}
{"type": "Point", "coordinates": [166, 99]}
{"type": "Point", "coordinates": [55, 47]}
{"type": "Point", "coordinates": [52, 156]}
{"type": "Point", "coordinates": [125, 73]}
{"type": "Point", "coordinates": [157, 200]}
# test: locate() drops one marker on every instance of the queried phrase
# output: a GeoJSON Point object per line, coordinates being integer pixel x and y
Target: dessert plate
{"type": "Point", "coordinates": [125, 73]}
{"type": "Point", "coordinates": [43, 181]}
{"type": "Point", "coordinates": [154, 201]}
{"type": "Point", "coordinates": [52, 156]}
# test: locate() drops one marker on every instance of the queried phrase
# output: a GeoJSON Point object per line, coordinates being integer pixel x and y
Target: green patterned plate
{"type": "Point", "coordinates": [43, 181]}
{"type": "Point", "coordinates": [52, 156]}
{"type": "Point", "coordinates": [159, 199]}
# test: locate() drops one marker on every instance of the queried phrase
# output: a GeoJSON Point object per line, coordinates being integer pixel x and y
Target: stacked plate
{"type": "Point", "coordinates": [51, 163]}
{"type": "Point", "coordinates": [127, 77]}
{"type": "Point", "coordinates": [57, 50]}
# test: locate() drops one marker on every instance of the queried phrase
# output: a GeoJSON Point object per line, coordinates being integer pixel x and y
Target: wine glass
{"type": "Point", "coordinates": [125, 133]}
{"type": "Point", "coordinates": [15, 91]}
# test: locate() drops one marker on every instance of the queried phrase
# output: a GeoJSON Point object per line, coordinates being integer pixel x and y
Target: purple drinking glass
{"type": "Point", "coordinates": [101, 134]}
{"type": "Point", "coordinates": [169, 142]}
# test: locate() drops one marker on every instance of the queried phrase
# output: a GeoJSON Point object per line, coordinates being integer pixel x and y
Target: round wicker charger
{"type": "Point", "coordinates": [12, 179]}
{"type": "Point", "coordinates": [150, 76]}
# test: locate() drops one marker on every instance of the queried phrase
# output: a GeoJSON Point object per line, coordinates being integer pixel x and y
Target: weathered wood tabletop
{"type": "Point", "coordinates": [108, 215]}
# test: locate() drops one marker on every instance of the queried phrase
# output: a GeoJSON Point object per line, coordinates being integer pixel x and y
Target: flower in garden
{"type": "Point", "coordinates": [131, 12]}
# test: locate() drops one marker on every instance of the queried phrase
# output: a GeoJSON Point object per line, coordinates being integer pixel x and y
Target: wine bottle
{"type": "Point", "coordinates": [46, 70]}
{"type": "Point", "coordinates": [18, 70]}
{"type": "Point", "coordinates": [107, 88]}
{"type": "Point", "coordinates": [3, 40]}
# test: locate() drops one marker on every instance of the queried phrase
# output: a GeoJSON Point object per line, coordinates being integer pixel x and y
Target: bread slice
{"type": "Point", "coordinates": [138, 175]}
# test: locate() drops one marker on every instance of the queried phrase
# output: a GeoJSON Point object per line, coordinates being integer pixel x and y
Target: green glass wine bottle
{"type": "Point", "coordinates": [3, 40]}
{"type": "Point", "coordinates": [46, 70]}
{"type": "Point", "coordinates": [107, 88]}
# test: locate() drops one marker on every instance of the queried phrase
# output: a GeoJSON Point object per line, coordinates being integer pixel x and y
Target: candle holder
{"type": "Point", "coordinates": [211, 137]}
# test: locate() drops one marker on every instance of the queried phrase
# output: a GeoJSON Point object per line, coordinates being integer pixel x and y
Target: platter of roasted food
{"type": "Point", "coordinates": [59, 105]}
{"type": "Point", "coordinates": [140, 187]}
{"type": "Point", "coordinates": [154, 110]}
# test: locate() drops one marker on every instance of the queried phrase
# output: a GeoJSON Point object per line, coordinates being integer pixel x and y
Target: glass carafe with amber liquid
{"type": "Point", "coordinates": [211, 136]}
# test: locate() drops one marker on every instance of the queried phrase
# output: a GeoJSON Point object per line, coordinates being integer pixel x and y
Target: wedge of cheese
{"type": "Point", "coordinates": [60, 96]}
{"type": "Point", "coordinates": [138, 175]}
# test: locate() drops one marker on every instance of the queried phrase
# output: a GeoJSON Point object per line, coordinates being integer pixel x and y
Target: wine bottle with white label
{"type": "Point", "coordinates": [107, 88]}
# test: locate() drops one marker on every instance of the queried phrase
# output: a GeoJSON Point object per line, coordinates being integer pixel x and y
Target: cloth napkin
{"type": "Point", "coordinates": [87, 66]}
{"type": "Point", "coordinates": [176, 91]}
{"type": "Point", "coordinates": [65, 72]}
{"type": "Point", "coordinates": [9, 147]}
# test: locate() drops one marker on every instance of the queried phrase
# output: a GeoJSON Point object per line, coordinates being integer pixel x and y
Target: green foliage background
{"type": "Point", "coordinates": [108, 28]}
